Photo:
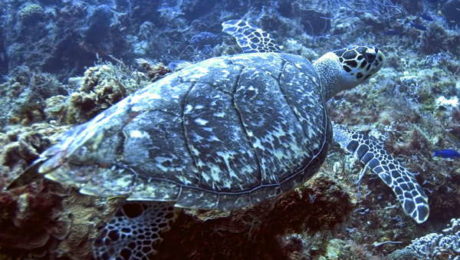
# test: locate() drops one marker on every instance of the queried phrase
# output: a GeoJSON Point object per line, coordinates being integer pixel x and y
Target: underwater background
{"type": "Point", "coordinates": [64, 61]}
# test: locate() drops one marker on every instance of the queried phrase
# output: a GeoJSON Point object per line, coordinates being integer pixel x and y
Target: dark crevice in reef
{"type": "Point", "coordinates": [256, 233]}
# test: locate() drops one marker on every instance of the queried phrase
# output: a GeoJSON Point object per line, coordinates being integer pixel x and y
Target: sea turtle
{"type": "Point", "coordinates": [225, 133]}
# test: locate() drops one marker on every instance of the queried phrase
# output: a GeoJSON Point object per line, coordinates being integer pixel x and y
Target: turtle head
{"type": "Point", "coordinates": [345, 68]}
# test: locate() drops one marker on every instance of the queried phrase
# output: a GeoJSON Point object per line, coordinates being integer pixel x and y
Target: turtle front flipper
{"type": "Point", "coordinates": [249, 38]}
{"type": "Point", "coordinates": [373, 155]}
{"type": "Point", "coordinates": [134, 231]}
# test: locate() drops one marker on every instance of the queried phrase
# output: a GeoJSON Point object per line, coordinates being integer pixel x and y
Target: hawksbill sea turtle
{"type": "Point", "coordinates": [225, 133]}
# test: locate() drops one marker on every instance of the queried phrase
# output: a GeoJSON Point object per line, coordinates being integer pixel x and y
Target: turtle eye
{"type": "Point", "coordinates": [369, 57]}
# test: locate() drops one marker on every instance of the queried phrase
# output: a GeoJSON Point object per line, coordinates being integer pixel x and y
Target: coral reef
{"type": "Point", "coordinates": [21, 146]}
{"type": "Point", "coordinates": [45, 220]}
{"type": "Point", "coordinates": [23, 96]}
{"type": "Point", "coordinates": [153, 71]}
{"type": "Point", "coordinates": [53, 220]}
{"type": "Point", "coordinates": [100, 87]}
{"type": "Point", "coordinates": [262, 232]}
{"type": "Point", "coordinates": [444, 245]}
{"type": "Point", "coordinates": [27, 219]}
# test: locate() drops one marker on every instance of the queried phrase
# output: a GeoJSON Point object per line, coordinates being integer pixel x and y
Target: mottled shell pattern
{"type": "Point", "coordinates": [224, 133]}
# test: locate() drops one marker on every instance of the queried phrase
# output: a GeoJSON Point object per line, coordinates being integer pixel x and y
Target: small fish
{"type": "Point", "coordinates": [418, 26]}
{"type": "Point", "coordinates": [446, 153]}
{"type": "Point", "coordinates": [426, 17]}
{"type": "Point", "coordinates": [393, 32]}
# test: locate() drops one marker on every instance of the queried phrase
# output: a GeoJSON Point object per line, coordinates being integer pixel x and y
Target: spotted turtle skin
{"type": "Point", "coordinates": [225, 133]}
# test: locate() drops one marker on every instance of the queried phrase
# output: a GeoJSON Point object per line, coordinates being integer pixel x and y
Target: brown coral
{"type": "Point", "coordinates": [48, 220]}
{"type": "Point", "coordinates": [154, 71]}
{"type": "Point", "coordinates": [53, 220]}
{"type": "Point", "coordinates": [100, 90]}
{"type": "Point", "coordinates": [43, 218]}
{"type": "Point", "coordinates": [26, 218]}
{"type": "Point", "coordinates": [21, 146]}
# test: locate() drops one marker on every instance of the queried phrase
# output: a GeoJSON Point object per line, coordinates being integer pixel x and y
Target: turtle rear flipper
{"type": "Point", "coordinates": [134, 231]}
{"type": "Point", "coordinates": [373, 155]}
